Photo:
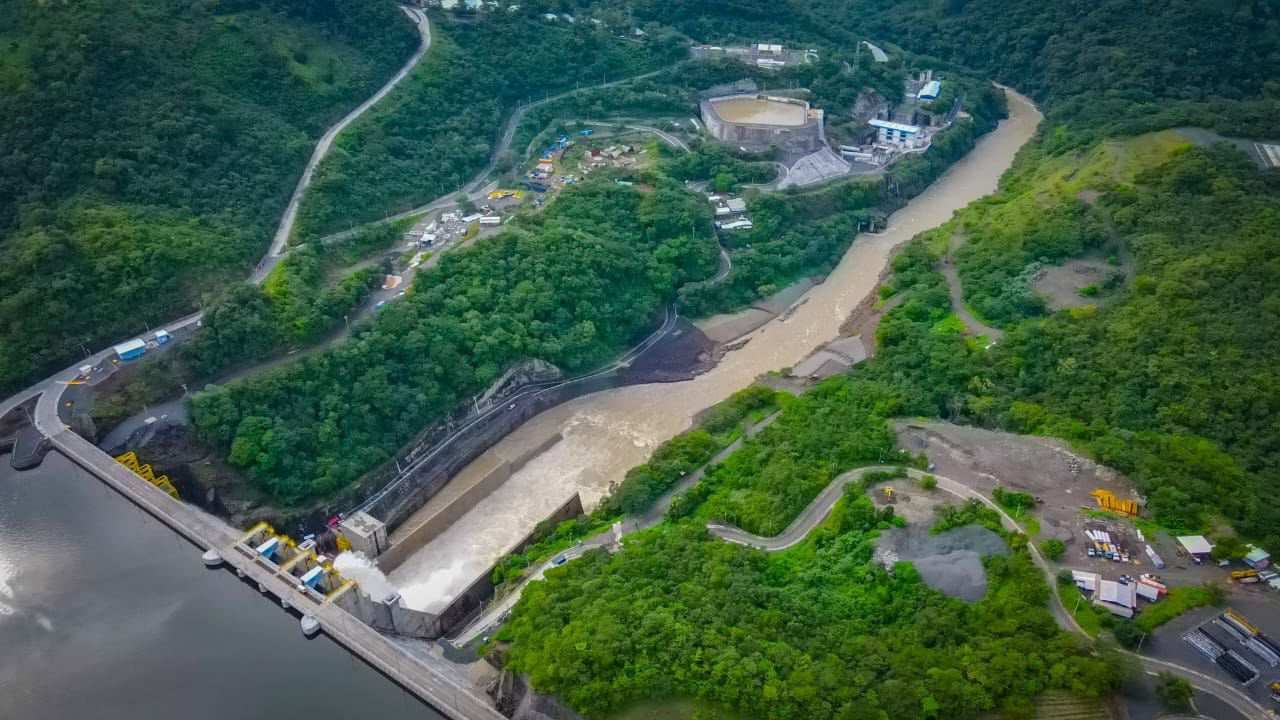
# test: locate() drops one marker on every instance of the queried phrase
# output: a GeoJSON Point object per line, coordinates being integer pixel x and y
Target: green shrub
{"type": "Point", "coordinates": [1053, 548]}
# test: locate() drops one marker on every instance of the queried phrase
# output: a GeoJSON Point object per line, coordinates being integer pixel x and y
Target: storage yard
{"type": "Point", "coordinates": [1237, 643]}
{"type": "Point", "coordinates": [1119, 566]}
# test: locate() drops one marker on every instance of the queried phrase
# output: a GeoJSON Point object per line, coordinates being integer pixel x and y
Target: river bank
{"type": "Point", "coordinates": [606, 433]}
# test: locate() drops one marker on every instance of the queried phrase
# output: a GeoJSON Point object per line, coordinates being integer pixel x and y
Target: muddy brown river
{"type": "Point", "coordinates": [609, 432]}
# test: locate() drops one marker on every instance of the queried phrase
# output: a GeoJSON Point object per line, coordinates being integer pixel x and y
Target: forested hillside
{"type": "Point", "coordinates": [1206, 221]}
{"type": "Point", "coordinates": [1100, 68]}
{"type": "Point", "coordinates": [147, 148]}
{"type": "Point", "coordinates": [571, 286]}
{"type": "Point", "coordinates": [1164, 370]}
{"type": "Point", "coordinates": [818, 631]}
{"type": "Point", "coordinates": [1170, 379]}
{"type": "Point", "coordinates": [1105, 67]}
{"type": "Point", "coordinates": [434, 133]}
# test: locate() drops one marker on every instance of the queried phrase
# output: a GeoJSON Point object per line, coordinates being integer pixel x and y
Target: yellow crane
{"type": "Point", "coordinates": [130, 460]}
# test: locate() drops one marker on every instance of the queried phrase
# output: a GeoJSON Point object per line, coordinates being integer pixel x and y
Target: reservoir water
{"type": "Point", "coordinates": [105, 613]}
{"type": "Point", "coordinates": [609, 432]}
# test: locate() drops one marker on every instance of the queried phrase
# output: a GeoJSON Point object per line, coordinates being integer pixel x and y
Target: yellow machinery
{"type": "Point", "coordinates": [888, 494]}
{"type": "Point", "coordinates": [1243, 623]}
{"type": "Point", "coordinates": [1239, 574]}
{"type": "Point", "coordinates": [1108, 501]}
{"type": "Point", "coordinates": [130, 460]}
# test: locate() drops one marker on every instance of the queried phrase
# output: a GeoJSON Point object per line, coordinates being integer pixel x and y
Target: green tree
{"type": "Point", "coordinates": [1229, 547]}
{"type": "Point", "coordinates": [1053, 548]}
{"type": "Point", "coordinates": [1174, 692]}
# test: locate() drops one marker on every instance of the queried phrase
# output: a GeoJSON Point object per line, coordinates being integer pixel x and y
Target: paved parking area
{"type": "Point", "coordinates": [1259, 607]}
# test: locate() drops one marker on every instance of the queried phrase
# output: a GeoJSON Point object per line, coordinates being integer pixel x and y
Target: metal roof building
{"type": "Point", "coordinates": [131, 349]}
{"type": "Point", "coordinates": [1119, 598]}
{"type": "Point", "coordinates": [930, 90]}
{"type": "Point", "coordinates": [1086, 580]}
{"type": "Point", "coordinates": [1258, 559]}
{"type": "Point", "coordinates": [1195, 544]}
{"type": "Point", "coordinates": [890, 125]}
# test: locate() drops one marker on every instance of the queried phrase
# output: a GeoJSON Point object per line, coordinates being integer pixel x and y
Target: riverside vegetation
{"type": "Point", "coordinates": [1166, 377]}
{"type": "Point", "coordinates": [308, 431]}
{"type": "Point", "coordinates": [571, 286]}
{"type": "Point", "coordinates": [147, 175]}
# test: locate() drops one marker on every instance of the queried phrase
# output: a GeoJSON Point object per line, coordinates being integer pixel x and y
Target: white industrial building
{"type": "Point", "coordinates": [930, 91]}
{"type": "Point", "coordinates": [1119, 598]}
{"type": "Point", "coordinates": [1195, 545]}
{"type": "Point", "coordinates": [895, 134]}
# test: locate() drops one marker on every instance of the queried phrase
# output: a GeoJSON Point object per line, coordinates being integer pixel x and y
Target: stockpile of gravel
{"type": "Point", "coordinates": [959, 574]}
{"type": "Point", "coordinates": [970, 537]}
{"type": "Point", "coordinates": [950, 562]}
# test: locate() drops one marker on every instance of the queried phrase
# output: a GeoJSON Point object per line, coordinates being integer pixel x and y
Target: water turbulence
{"type": "Point", "coordinates": [357, 566]}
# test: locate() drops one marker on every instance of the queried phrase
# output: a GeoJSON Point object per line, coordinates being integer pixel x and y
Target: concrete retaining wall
{"type": "Point", "coordinates": [459, 450]}
{"type": "Point", "coordinates": [804, 138]}
{"type": "Point", "coordinates": [443, 517]}
{"type": "Point", "coordinates": [471, 601]}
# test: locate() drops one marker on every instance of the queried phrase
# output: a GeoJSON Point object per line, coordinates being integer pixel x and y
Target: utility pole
{"type": "Point", "coordinates": [347, 319]}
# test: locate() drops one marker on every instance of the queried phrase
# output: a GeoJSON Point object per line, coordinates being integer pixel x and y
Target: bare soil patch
{"type": "Point", "coordinates": [1061, 285]}
{"type": "Point", "coordinates": [1044, 467]}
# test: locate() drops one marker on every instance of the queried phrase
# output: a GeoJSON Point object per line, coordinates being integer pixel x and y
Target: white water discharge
{"type": "Point", "coordinates": [609, 432]}
{"type": "Point", "coordinates": [429, 581]}
{"type": "Point", "coordinates": [357, 566]}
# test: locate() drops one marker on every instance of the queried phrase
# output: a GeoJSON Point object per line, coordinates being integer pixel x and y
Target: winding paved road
{"type": "Point", "coordinates": [821, 506]}
{"type": "Point", "coordinates": [667, 137]}
{"type": "Point", "coordinates": [478, 184]}
{"type": "Point", "coordinates": [806, 521]}
{"type": "Point", "coordinates": [290, 216]}
{"type": "Point", "coordinates": [496, 613]}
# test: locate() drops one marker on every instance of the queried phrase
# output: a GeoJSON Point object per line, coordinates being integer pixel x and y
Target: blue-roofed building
{"type": "Point", "coordinates": [930, 91]}
{"type": "Point", "coordinates": [1258, 559]}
